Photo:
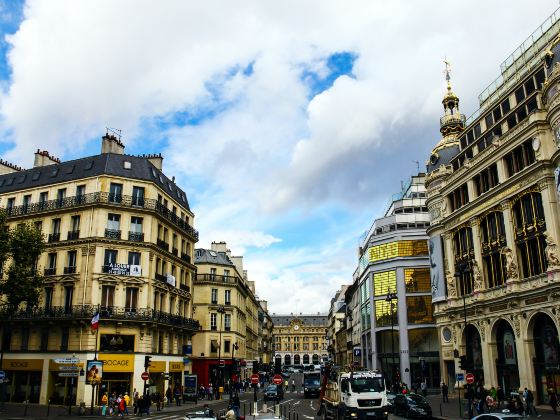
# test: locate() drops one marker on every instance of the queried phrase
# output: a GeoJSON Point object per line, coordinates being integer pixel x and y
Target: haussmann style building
{"type": "Point", "coordinates": [120, 241]}
{"type": "Point", "coordinates": [493, 191]}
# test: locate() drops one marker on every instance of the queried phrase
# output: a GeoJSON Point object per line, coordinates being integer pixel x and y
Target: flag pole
{"type": "Point", "coordinates": [97, 333]}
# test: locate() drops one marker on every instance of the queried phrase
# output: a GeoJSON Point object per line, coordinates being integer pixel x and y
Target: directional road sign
{"type": "Point", "coordinates": [277, 380]}
{"type": "Point", "coordinates": [460, 377]}
{"type": "Point", "coordinates": [67, 361]}
{"type": "Point", "coordinates": [73, 368]}
{"type": "Point", "coordinates": [68, 374]}
{"type": "Point", "coordinates": [255, 378]}
{"type": "Point", "coordinates": [470, 378]}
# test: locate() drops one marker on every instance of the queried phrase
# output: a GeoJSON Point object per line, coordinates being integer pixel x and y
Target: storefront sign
{"type": "Point", "coordinates": [94, 373]}
{"type": "Point", "coordinates": [117, 362]}
{"type": "Point", "coordinates": [170, 279]}
{"type": "Point", "coordinates": [157, 366]}
{"type": "Point", "coordinates": [124, 270]}
{"type": "Point", "coordinates": [437, 275]}
{"type": "Point", "coordinates": [176, 366]}
{"type": "Point", "coordinates": [22, 364]}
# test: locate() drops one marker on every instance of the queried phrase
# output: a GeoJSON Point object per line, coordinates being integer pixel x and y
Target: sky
{"type": "Point", "coordinates": [289, 124]}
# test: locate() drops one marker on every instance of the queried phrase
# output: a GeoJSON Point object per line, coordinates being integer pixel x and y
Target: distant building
{"type": "Point", "coordinates": [393, 284]}
{"type": "Point", "coordinates": [120, 241]}
{"type": "Point", "coordinates": [300, 339]}
{"type": "Point", "coordinates": [493, 194]}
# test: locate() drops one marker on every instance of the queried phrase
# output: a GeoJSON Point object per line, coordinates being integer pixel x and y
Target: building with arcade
{"type": "Point", "coordinates": [493, 194]}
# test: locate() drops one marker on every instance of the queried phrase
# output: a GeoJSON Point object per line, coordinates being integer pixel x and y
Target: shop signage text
{"type": "Point", "coordinates": [117, 362]}
{"type": "Point", "coordinates": [125, 270]}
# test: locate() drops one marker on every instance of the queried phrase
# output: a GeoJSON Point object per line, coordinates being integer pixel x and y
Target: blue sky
{"type": "Point", "coordinates": [289, 124]}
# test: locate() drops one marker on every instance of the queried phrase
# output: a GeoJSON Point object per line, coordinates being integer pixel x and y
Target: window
{"type": "Point", "coordinates": [64, 336]}
{"type": "Point", "coordinates": [134, 258]}
{"type": "Point", "coordinates": [530, 226]}
{"type": "Point", "coordinates": [55, 226]}
{"type": "Point", "coordinates": [74, 232]}
{"type": "Point", "coordinates": [26, 202]}
{"type": "Point", "coordinates": [138, 196]}
{"type": "Point", "coordinates": [38, 225]}
{"type": "Point", "coordinates": [493, 239]}
{"type": "Point", "coordinates": [115, 193]}
{"type": "Point", "coordinates": [68, 297]}
{"type": "Point", "coordinates": [464, 253]}
{"type": "Point", "coordinates": [43, 197]}
{"type": "Point", "coordinates": [131, 299]}
{"type": "Point", "coordinates": [24, 339]}
{"type": "Point", "coordinates": [48, 297]}
{"type": "Point", "coordinates": [419, 309]}
{"type": "Point", "coordinates": [213, 321]}
{"type": "Point", "coordinates": [227, 297]}
{"type": "Point", "coordinates": [459, 197]}
{"type": "Point", "coordinates": [214, 296]}
{"type": "Point", "coordinates": [80, 192]}
{"type": "Point", "coordinates": [70, 262]}
{"type": "Point", "coordinates": [136, 224]}
{"type": "Point", "coordinates": [10, 204]}
{"type": "Point", "coordinates": [385, 282]}
{"type": "Point", "coordinates": [51, 263]}
{"type": "Point", "coordinates": [44, 345]}
{"type": "Point", "coordinates": [521, 157]}
{"type": "Point", "coordinates": [60, 196]}
{"type": "Point", "coordinates": [212, 274]}
{"type": "Point", "coordinates": [107, 296]}
{"type": "Point", "coordinates": [110, 257]}
{"type": "Point", "coordinates": [227, 322]}
{"type": "Point", "coordinates": [227, 346]}
{"type": "Point", "coordinates": [398, 249]}
{"type": "Point", "coordinates": [114, 221]}
{"type": "Point", "coordinates": [487, 179]}
{"type": "Point", "coordinates": [417, 280]}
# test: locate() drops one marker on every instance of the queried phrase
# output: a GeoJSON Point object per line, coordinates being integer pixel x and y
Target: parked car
{"type": "Point", "coordinates": [506, 414]}
{"type": "Point", "coordinates": [411, 406]}
{"type": "Point", "coordinates": [390, 402]}
{"type": "Point", "coordinates": [273, 393]}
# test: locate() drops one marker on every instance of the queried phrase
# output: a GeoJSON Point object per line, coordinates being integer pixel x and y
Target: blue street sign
{"type": "Point", "coordinates": [357, 352]}
{"type": "Point", "coordinates": [460, 377]}
{"type": "Point", "coordinates": [2, 374]}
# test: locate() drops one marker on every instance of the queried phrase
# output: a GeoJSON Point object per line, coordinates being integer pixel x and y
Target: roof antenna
{"type": "Point", "coordinates": [115, 131]}
{"type": "Point", "coordinates": [417, 165]}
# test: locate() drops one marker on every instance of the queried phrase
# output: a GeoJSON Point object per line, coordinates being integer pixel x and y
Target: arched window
{"type": "Point", "coordinates": [296, 359]}
{"type": "Point", "coordinates": [493, 240]}
{"type": "Point", "coordinates": [305, 359]}
{"type": "Point", "coordinates": [464, 254]}
{"type": "Point", "coordinates": [287, 360]}
{"type": "Point", "coordinates": [529, 229]}
{"type": "Point", "coordinates": [315, 359]}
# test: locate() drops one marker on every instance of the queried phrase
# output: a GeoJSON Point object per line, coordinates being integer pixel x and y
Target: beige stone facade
{"type": "Point", "coordinates": [120, 241]}
{"type": "Point", "coordinates": [493, 201]}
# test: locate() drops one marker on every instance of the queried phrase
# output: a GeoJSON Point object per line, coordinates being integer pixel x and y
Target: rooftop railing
{"type": "Point", "coordinates": [104, 198]}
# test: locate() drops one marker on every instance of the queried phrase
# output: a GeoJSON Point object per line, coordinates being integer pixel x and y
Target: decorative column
{"type": "Point", "coordinates": [510, 250]}
{"type": "Point", "coordinates": [502, 171]}
{"type": "Point", "coordinates": [477, 263]}
{"type": "Point", "coordinates": [550, 208]}
{"type": "Point", "coordinates": [402, 327]}
{"type": "Point", "coordinates": [449, 267]}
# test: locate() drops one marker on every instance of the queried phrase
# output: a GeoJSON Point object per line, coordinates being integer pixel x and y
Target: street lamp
{"type": "Point", "coordinates": [462, 268]}
{"type": "Point", "coordinates": [221, 311]}
{"type": "Point", "coordinates": [390, 297]}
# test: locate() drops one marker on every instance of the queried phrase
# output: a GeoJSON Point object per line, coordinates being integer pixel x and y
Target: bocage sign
{"type": "Point", "coordinates": [125, 270]}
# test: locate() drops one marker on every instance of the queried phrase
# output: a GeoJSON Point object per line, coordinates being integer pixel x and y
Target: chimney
{"type": "Point", "coordinates": [111, 144]}
{"type": "Point", "coordinates": [43, 158]}
{"type": "Point", "coordinates": [157, 161]}
{"type": "Point", "coordinates": [219, 247]}
{"type": "Point", "coordinates": [8, 168]}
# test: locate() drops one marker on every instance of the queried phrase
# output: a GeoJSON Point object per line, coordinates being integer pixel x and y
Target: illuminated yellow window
{"type": "Point", "coordinates": [417, 280]}
{"type": "Point", "coordinates": [385, 282]}
{"type": "Point", "coordinates": [419, 309]}
{"type": "Point", "coordinates": [384, 314]}
{"type": "Point", "coordinates": [397, 249]}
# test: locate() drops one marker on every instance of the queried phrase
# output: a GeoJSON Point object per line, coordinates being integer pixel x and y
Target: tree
{"type": "Point", "coordinates": [21, 247]}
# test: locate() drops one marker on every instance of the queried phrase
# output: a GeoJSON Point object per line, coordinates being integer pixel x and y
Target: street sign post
{"type": "Point", "coordinates": [255, 378]}
{"type": "Point", "coordinates": [470, 378]}
{"type": "Point", "coordinates": [277, 380]}
{"type": "Point", "coordinates": [72, 368]}
{"type": "Point", "coordinates": [67, 361]}
{"type": "Point", "coordinates": [145, 376]}
{"type": "Point", "coordinates": [68, 374]}
{"type": "Point", "coordinates": [460, 377]}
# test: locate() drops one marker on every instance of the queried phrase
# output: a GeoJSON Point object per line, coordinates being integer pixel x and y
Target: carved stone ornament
{"type": "Point", "coordinates": [551, 252]}
{"type": "Point", "coordinates": [512, 270]}
{"type": "Point", "coordinates": [451, 288]}
{"type": "Point", "coordinates": [482, 330]}
{"type": "Point", "coordinates": [517, 326]}
{"type": "Point", "coordinates": [477, 277]}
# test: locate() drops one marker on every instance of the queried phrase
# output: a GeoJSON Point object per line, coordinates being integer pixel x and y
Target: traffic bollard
{"type": "Point", "coordinates": [25, 409]}
{"type": "Point", "coordinates": [48, 407]}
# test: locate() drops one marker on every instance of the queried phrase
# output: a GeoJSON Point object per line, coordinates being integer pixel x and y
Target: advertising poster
{"type": "Point", "coordinates": [437, 276]}
{"type": "Point", "coordinates": [509, 349]}
{"type": "Point", "coordinates": [94, 371]}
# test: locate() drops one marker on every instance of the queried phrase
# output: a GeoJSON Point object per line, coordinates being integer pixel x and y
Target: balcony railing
{"type": "Point", "coordinates": [73, 234]}
{"type": "Point", "coordinates": [69, 270]}
{"type": "Point", "coordinates": [54, 237]}
{"type": "Point", "coordinates": [174, 251]}
{"type": "Point", "coordinates": [163, 245]}
{"type": "Point", "coordinates": [50, 271]}
{"type": "Point", "coordinates": [186, 258]}
{"type": "Point", "coordinates": [184, 287]}
{"type": "Point", "coordinates": [214, 278]}
{"type": "Point", "coordinates": [136, 236]}
{"type": "Point", "coordinates": [86, 312]}
{"type": "Point", "coordinates": [105, 198]}
{"type": "Point", "coordinates": [161, 277]}
{"type": "Point", "coordinates": [112, 233]}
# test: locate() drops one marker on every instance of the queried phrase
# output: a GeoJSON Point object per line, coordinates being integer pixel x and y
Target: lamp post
{"type": "Point", "coordinates": [221, 311]}
{"type": "Point", "coordinates": [232, 382]}
{"type": "Point", "coordinates": [390, 297]}
{"type": "Point", "coordinates": [462, 268]}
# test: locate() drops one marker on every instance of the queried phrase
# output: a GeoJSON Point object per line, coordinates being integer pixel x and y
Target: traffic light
{"type": "Point", "coordinates": [463, 363]}
{"type": "Point", "coordinates": [147, 361]}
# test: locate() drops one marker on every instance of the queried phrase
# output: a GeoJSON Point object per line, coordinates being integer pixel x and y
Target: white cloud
{"type": "Point", "coordinates": [266, 152]}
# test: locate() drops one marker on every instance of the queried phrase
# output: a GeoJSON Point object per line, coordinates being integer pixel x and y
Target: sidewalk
{"type": "Point", "coordinates": [450, 410]}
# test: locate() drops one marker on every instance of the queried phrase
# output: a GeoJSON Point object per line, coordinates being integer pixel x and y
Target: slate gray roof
{"type": "Point", "coordinates": [104, 164]}
{"type": "Point", "coordinates": [207, 256]}
{"type": "Point", "coordinates": [445, 157]}
{"type": "Point", "coordinates": [311, 320]}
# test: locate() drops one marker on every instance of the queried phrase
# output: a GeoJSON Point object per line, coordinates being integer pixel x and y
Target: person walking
{"type": "Point", "coordinates": [445, 392]}
{"type": "Point", "coordinates": [127, 402]}
{"type": "Point", "coordinates": [104, 402]}
{"type": "Point", "coordinates": [177, 396]}
{"type": "Point", "coordinates": [169, 395]}
{"type": "Point", "coordinates": [500, 396]}
{"type": "Point", "coordinates": [135, 398]}
{"type": "Point", "coordinates": [293, 386]}
{"type": "Point", "coordinates": [553, 400]}
{"type": "Point", "coordinates": [424, 388]}
{"type": "Point", "coordinates": [530, 401]}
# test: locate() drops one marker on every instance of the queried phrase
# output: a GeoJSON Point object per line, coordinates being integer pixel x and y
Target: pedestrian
{"type": "Point", "coordinates": [444, 392]}
{"type": "Point", "coordinates": [424, 388]}
{"type": "Point", "coordinates": [121, 405]}
{"type": "Point", "coordinates": [157, 397]}
{"type": "Point", "coordinates": [530, 401]}
{"type": "Point", "coordinates": [210, 392]}
{"type": "Point", "coordinates": [135, 398]}
{"type": "Point", "coordinates": [169, 394]}
{"type": "Point", "coordinates": [104, 402]}
{"type": "Point", "coordinates": [127, 402]}
{"type": "Point", "coordinates": [177, 396]}
{"type": "Point", "coordinates": [293, 386]}
{"type": "Point", "coordinates": [519, 405]}
{"type": "Point", "coordinates": [553, 399]}
{"type": "Point", "coordinates": [500, 396]}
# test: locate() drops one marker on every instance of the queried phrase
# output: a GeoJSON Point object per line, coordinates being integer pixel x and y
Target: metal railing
{"type": "Point", "coordinates": [163, 245]}
{"type": "Point", "coordinates": [104, 198]}
{"type": "Point", "coordinates": [186, 258]}
{"type": "Point", "coordinates": [214, 278]}
{"type": "Point", "coordinates": [135, 236]}
{"type": "Point", "coordinates": [112, 233]}
{"type": "Point", "coordinates": [53, 237]}
{"type": "Point", "coordinates": [50, 271]}
{"type": "Point", "coordinates": [111, 312]}
{"type": "Point", "coordinates": [184, 287]}
{"type": "Point", "coordinates": [69, 270]}
{"type": "Point", "coordinates": [73, 234]}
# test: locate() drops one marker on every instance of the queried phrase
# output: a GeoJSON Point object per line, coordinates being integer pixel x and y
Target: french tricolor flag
{"type": "Point", "coordinates": [95, 321]}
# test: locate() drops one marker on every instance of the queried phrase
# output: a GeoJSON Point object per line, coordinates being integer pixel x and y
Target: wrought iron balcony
{"type": "Point", "coordinates": [73, 234]}
{"type": "Point", "coordinates": [135, 236]}
{"type": "Point", "coordinates": [184, 287]}
{"type": "Point", "coordinates": [86, 312]}
{"type": "Point", "coordinates": [69, 270]}
{"type": "Point", "coordinates": [107, 199]}
{"type": "Point", "coordinates": [50, 271]}
{"type": "Point", "coordinates": [214, 278]}
{"type": "Point", "coordinates": [161, 277]}
{"type": "Point", "coordinates": [112, 233]}
{"type": "Point", "coordinates": [186, 258]}
{"type": "Point", "coordinates": [54, 237]}
{"type": "Point", "coordinates": [174, 251]}
{"type": "Point", "coordinates": [163, 245]}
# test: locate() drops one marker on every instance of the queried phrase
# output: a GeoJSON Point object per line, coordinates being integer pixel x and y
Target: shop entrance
{"type": "Point", "coordinates": [117, 383]}
{"type": "Point", "coordinates": [506, 365]}
{"type": "Point", "coordinates": [23, 386]}
{"type": "Point", "coordinates": [547, 357]}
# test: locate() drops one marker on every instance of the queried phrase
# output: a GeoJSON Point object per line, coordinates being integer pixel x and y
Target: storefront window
{"type": "Point", "coordinates": [117, 343]}
{"type": "Point", "coordinates": [507, 366]}
{"type": "Point", "coordinates": [386, 313]}
{"type": "Point", "coordinates": [547, 357]}
{"type": "Point", "coordinates": [398, 249]}
{"type": "Point", "coordinates": [385, 282]}
{"type": "Point", "coordinates": [417, 280]}
{"type": "Point", "coordinates": [419, 309]}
